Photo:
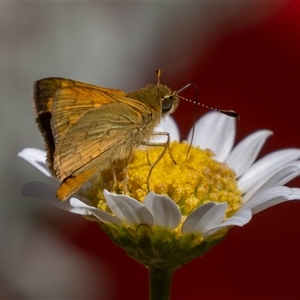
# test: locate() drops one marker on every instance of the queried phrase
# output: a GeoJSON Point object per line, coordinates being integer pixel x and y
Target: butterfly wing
{"type": "Point", "coordinates": [86, 127]}
{"type": "Point", "coordinates": [94, 141]}
{"type": "Point", "coordinates": [45, 90]}
{"type": "Point", "coordinates": [55, 110]}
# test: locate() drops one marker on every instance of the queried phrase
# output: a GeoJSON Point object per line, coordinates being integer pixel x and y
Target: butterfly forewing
{"type": "Point", "coordinates": [72, 102]}
{"type": "Point", "coordinates": [48, 106]}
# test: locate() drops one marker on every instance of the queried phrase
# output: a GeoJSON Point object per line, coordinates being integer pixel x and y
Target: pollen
{"type": "Point", "coordinates": [190, 176]}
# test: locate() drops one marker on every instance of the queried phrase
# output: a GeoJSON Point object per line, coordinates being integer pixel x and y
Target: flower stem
{"type": "Point", "coordinates": [160, 283]}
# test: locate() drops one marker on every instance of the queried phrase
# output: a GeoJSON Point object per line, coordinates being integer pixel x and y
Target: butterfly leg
{"type": "Point", "coordinates": [114, 178]}
{"type": "Point", "coordinates": [125, 173]}
{"type": "Point", "coordinates": [125, 180]}
{"type": "Point", "coordinates": [119, 169]}
{"type": "Point", "coordinates": [158, 144]}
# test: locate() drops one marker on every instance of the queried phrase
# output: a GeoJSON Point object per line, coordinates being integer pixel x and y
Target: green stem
{"type": "Point", "coordinates": [160, 283]}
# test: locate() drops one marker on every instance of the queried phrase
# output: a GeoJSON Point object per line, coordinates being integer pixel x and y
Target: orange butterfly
{"type": "Point", "coordinates": [86, 127]}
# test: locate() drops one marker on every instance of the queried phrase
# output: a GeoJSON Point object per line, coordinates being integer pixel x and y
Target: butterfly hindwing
{"type": "Point", "coordinates": [96, 134]}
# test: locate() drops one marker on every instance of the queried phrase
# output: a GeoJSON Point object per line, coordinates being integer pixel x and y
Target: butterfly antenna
{"type": "Point", "coordinates": [229, 113]}
{"type": "Point", "coordinates": [158, 74]}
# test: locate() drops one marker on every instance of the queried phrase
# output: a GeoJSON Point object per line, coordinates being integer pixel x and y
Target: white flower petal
{"type": "Point", "coordinates": [280, 177]}
{"type": "Point", "coordinates": [291, 194]}
{"type": "Point", "coordinates": [99, 214]}
{"type": "Point", "coordinates": [244, 153]}
{"type": "Point", "coordinates": [164, 210]}
{"type": "Point", "coordinates": [37, 154]}
{"type": "Point", "coordinates": [266, 165]}
{"type": "Point", "coordinates": [204, 218]}
{"type": "Point", "coordinates": [46, 192]}
{"type": "Point", "coordinates": [240, 218]}
{"type": "Point", "coordinates": [128, 210]}
{"type": "Point", "coordinates": [37, 158]}
{"type": "Point", "coordinates": [295, 195]}
{"type": "Point", "coordinates": [169, 125]}
{"type": "Point", "coordinates": [216, 132]}
{"type": "Point", "coordinates": [267, 195]}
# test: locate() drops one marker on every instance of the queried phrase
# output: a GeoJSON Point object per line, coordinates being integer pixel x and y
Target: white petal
{"type": "Point", "coordinates": [267, 195]}
{"type": "Point", "coordinates": [280, 177]}
{"type": "Point", "coordinates": [262, 204]}
{"type": "Point", "coordinates": [37, 158]}
{"type": "Point", "coordinates": [128, 210]}
{"type": "Point", "coordinates": [244, 153]}
{"type": "Point", "coordinates": [169, 125]}
{"type": "Point", "coordinates": [266, 165]}
{"type": "Point", "coordinates": [46, 192]}
{"type": "Point", "coordinates": [295, 195]}
{"type": "Point", "coordinates": [240, 218]}
{"type": "Point", "coordinates": [204, 218]}
{"type": "Point", "coordinates": [216, 132]}
{"type": "Point", "coordinates": [165, 212]}
{"type": "Point", "coordinates": [33, 153]}
{"type": "Point", "coordinates": [101, 215]}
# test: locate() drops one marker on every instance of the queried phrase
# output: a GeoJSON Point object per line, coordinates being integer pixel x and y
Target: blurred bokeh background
{"type": "Point", "coordinates": [242, 55]}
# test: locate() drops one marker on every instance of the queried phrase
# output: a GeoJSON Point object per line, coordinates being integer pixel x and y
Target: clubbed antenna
{"type": "Point", "coordinates": [229, 113]}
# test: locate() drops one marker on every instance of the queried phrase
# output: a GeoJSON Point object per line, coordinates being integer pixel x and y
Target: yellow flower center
{"type": "Point", "coordinates": [189, 177]}
{"type": "Point", "coordinates": [189, 180]}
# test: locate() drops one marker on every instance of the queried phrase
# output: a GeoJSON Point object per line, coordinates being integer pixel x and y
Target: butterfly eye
{"type": "Point", "coordinates": [167, 104]}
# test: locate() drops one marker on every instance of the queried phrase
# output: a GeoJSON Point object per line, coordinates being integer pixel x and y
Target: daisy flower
{"type": "Point", "coordinates": [197, 194]}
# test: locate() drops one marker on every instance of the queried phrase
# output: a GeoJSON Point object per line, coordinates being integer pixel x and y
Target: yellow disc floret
{"type": "Point", "coordinates": [190, 177]}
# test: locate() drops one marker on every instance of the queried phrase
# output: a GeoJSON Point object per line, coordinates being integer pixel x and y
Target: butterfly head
{"type": "Point", "coordinates": [159, 97]}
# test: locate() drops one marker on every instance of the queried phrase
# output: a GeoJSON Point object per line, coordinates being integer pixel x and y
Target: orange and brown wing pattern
{"type": "Point", "coordinates": [45, 89]}
{"type": "Point", "coordinates": [71, 103]}
{"type": "Point", "coordinates": [58, 102]}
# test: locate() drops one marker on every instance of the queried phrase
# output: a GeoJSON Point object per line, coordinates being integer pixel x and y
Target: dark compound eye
{"type": "Point", "coordinates": [167, 104]}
